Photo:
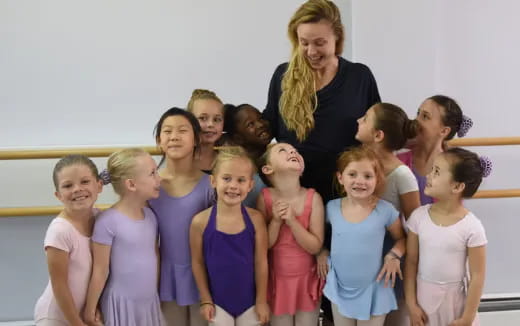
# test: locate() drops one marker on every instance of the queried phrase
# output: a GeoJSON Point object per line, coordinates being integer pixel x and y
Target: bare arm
{"type": "Point", "coordinates": [100, 270]}
{"type": "Point", "coordinates": [273, 224]}
{"type": "Point", "coordinates": [311, 240]}
{"type": "Point", "coordinates": [397, 232]}
{"type": "Point", "coordinates": [197, 256]}
{"type": "Point", "coordinates": [477, 269]}
{"type": "Point", "coordinates": [392, 261]}
{"type": "Point", "coordinates": [409, 202]}
{"type": "Point", "coordinates": [261, 273]}
{"type": "Point", "coordinates": [417, 315]}
{"type": "Point", "coordinates": [58, 263]}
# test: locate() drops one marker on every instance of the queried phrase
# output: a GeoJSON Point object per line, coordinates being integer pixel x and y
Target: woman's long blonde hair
{"type": "Point", "coordinates": [299, 101]}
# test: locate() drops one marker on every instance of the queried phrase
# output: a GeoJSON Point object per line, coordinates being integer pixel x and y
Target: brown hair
{"type": "Point", "coordinates": [465, 167]}
{"type": "Point", "coordinates": [70, 160]}
{"type": "Point", "coordinates": [394, 123]}
{"type": "Point", "coordinates": [202, 94]}
{"type": "Point", "coordinates": [298, 100]}
{"type": "Point", "coordinates": [356, 154]}
{"type": "Point", "coordinates": [451, 114]}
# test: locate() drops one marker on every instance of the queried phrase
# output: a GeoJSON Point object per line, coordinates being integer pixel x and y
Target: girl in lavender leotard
{"type": "Point", "coordinates": [124, 246]}
{"type": "Point", "coordinates": [185, 191]}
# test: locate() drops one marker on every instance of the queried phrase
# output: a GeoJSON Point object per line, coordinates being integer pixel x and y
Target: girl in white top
{"type": "Point", "coordinates": [385, 128]}
{"type": "Point", "coordinates": [67, 243]}
{"type": "Point", "coordinates": [447, 234]}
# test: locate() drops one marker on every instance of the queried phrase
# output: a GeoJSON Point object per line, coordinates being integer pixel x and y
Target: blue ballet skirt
{"type": "Point", "coordinates": [356, 260]}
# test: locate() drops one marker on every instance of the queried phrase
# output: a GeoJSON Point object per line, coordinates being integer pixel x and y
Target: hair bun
{"type": "Point", "coordinates": [487, 166]}
{"type": "Point", "coordinates": [465, 126]}
{"type": "Point", "coordinates": [105, 177]}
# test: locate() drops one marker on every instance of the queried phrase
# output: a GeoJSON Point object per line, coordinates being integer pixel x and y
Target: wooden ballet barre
{"type": "Point", "coordinates": [54, 210]}
{"type": "Point", "coordinates": [106, 151]}
{"type": "Point", "coordinates": [491, 141]}
{"type": "Point", "coordinates": [37, 210]}
{"type": "Point", "coordinates": [59, 153]}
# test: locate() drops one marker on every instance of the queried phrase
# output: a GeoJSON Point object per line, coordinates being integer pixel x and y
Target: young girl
{"type": "Point", "coordinates": [185, 191]}
{"type": "Point", "coordinates": [208, 108]}
{"type": "Point", "coordinates": [439, 118]}
{"type": "Point", "coordinates": [124, 243]}
{"type": "Point", "coordinates": [359, 283]}
{"type": "Point", "coordinates": [245, 127]}
{"type": "Point", "coordinates": [385, 128]}
{"type": "Point", "coordinates": [436, 295]}
{"type": "Point", "coordinates": [295, 230]}
{"type": "Point", "coordinates": [229, 248]}
{"type": "Point", "coordinates": [67, 243]}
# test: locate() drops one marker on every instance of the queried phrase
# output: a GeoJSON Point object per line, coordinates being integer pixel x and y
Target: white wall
{"type": "Point", "coordinates": [101, 73]}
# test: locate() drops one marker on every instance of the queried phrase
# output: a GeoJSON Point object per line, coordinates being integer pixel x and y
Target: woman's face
{"type": "Point", "coordinates": [317, 43]}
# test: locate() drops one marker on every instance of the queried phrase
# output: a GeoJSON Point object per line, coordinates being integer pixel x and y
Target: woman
{"type": "Point", "coordinates": [315, 99]}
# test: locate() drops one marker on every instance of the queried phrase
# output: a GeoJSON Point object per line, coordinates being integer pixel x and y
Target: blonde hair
{"type": "Point", "coordinates": [202, 94]}
{"type": "Point", "coordinates": [356, 154]}
{"type": "Point", "coordinates": [121, 166]}
{"type": "Point", "coordinates": [228, 153]}
{"type": "Point", "coordinates": [299, 100]}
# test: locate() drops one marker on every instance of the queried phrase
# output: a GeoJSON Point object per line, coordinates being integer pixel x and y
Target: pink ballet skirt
{"type": "Point", "coordinates": [294, 284]}
{"type": "Point", "coordinates": [442, 303]}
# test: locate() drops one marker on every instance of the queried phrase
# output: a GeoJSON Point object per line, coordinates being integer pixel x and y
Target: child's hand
{"type": "Point", "coordinates": [262, 312]}
{"type": "Point", "coordinates": [288, 213]}
{"type": "Point", "coordinates": [417, 316]}
{"type": "Point", "coordinates": [207, 310]}
{"type": "Point", "coordinates": [279, 210]}
{"type": "Point", "coordinates": [391, 267]}
{"type": "Point", "coordinates": [323, 264]}
{"type": "Point", "coordinates": [92, 318]}
{"type": "Point", "coordinates": [461, 322]}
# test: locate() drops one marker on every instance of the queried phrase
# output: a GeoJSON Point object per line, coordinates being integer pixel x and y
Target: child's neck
{"type": "Point", "coordinates": [181, 167]}
{"type": "Point", "coordinates": [224, 209]}
{"type": "Point", "coordinates": [206, 156]}
{"type": "Point", "coordinates": [131, 206]}
{"type": "Point", "coordinates": [386, 157]}
{"type": "Point", "coordinates": [82, 220]}
{"type": "Point", "coordinates": [428, 150]}
{"type": "Point", "coordinates": [449, 205]}
{"type": "Point", "coordinates": [361, 202]}
{"type": "Point", "coordinates": [255, 151]}
{"type": "Point", "coordinates": [287, 185]}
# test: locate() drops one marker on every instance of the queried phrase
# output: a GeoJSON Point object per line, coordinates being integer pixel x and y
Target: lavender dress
{"type": "Point", "coordinates": [174, 215]}
{"type": "Point", "coordinates": [130, 296]}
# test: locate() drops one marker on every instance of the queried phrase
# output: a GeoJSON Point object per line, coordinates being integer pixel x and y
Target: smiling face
{"type": "Point", "coordinates": [317, 43]}
{"type": "Point", "coordinates": [359, 179]}
{"type": "Point", "coordinates": [251, 128]}
{"type": "Point", "coordinates": [176, 138]}
{"type": "Point", "coordinates": [77, 187]}
{"type": "Point", "coordinates": [283, 157]}
{"type": "Point", "coordinates": [210, 114]}
{"type": "Point", "coordinates": [232, 180]}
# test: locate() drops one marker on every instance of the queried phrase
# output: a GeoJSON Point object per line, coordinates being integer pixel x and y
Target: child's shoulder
{"type": "Point", "coordinates": [200, 220]}
{"type": "Point", "coordinates": [254, 214]}
{"type": "Point", "coordinates": [60, 225]}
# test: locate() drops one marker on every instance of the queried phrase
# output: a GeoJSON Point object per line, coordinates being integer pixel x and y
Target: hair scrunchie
{"type": "Point", "coordinates": [465, 126]}
{"type": "Point", "coordinates": [105, 177]}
